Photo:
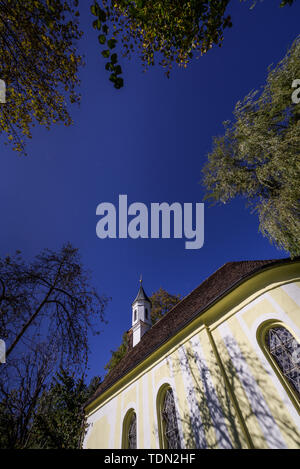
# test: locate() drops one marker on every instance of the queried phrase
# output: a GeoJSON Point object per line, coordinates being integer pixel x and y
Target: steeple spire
{"type": "Point", "coordinates": [141, 294]}
{"type": "Point", "coordinates": [141, 314]}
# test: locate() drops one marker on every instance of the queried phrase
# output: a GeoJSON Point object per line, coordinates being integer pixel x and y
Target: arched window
{"type": "Point", "coordinates": [129, 431]}
{"type": "Point", "coordinates": [146, 313]}
{"type": "Point", "coordinates": [283, 351]}
{"type": "Point", "coordinates": [134, 319]}
{"type": "Point", "coordinates": [286, 352]}
{"type": "Point", "coordinates": [168, 425]}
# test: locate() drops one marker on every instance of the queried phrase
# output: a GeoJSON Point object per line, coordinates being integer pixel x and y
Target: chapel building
{"type": "Point", "coordinates": [220, 370]}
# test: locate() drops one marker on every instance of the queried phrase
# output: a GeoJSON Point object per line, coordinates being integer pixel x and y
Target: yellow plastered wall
{"type": "Point", "coordinates": [226, 393]}
{"type": "Point", "coordinates": [100, 434]}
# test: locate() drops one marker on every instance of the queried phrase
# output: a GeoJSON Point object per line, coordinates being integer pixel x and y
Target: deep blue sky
{"type": "Point", "coordinates": [150, 141]}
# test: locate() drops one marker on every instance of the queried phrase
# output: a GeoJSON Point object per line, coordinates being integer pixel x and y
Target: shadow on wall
{"type": "Point", "coordinates": [213, 421]}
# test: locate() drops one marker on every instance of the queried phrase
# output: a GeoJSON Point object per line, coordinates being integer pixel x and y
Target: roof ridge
{"type": "Point", "coordinates": [206, 279]}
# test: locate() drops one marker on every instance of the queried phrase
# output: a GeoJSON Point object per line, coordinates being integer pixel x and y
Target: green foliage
{"type": "Point", "coordinates": [286, 2]}
{"type": "Point", "coordinates": [175, 30]}
{"type": "Point", "coordinates": [162, 302]}
{"type": "Point", "coordinates": [39, 63]}
{"type": "Point", "coordinates": [167, 32]}
{"type": "Point", "coordinates": [59, 420]}
{"type": "Point", "coordinates": [117, 355]}
{"type": "Point", "coordinates": [39, 59]}
{"type": "Point", "coordinates": [103, 15]}
{"type": "Point", "coordinates": [258, 156]}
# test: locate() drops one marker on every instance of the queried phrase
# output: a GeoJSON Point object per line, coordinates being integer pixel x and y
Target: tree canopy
{"type": "Point", "coordinates": [172, 29]}
{"type": "Point", "coordinates": [49, 296]}
{"type": "Point", "coordinates": [167, 32]}
{"type": "Point", "coordinates": [39, 64]}
{"type": "Point", "coordinates": [48, 309]}
{"type": "Point", "coordinates": [40, 61]}
{"type": "Point", "coordinates": [59, 422]}
{"type": "Point", "coordinates": [57, 419]}
{"type": "Point", "coordinates": [162, 302]}
{"type": "Point", "coordinates": [257, 158]}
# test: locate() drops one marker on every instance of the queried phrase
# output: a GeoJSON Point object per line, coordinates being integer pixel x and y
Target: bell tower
{"type": "Point", "coordinates": [141, 315]}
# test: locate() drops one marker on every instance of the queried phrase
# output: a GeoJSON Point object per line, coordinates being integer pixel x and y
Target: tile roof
{"type": "Point", "coordinates": [212, 289]}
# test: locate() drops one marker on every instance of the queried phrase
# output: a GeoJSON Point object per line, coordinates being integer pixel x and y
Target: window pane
{"type": "Point", "coordinates": [132, 433]}
{"type": "Point", "coordinates": [170, 421]}
{"type": "Point", "coordinates": [286, 351]}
